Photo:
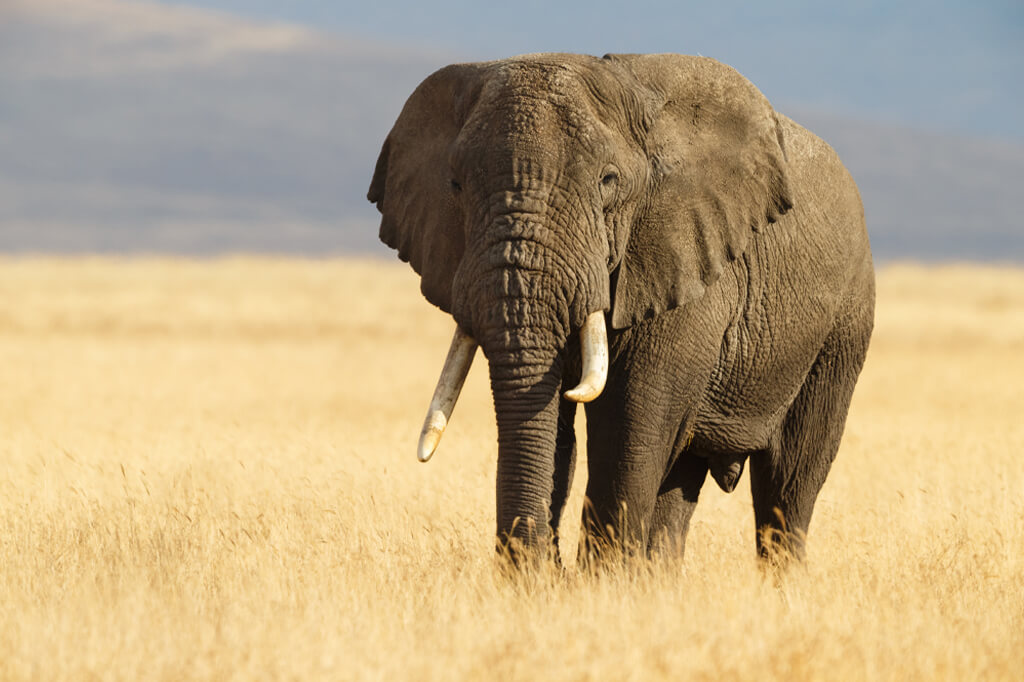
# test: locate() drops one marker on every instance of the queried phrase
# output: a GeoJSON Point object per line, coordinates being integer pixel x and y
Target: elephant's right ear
{"type": "Point", "coordinates": [412, 183]}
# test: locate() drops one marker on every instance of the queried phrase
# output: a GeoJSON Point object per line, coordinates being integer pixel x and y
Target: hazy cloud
{"type": "Point", "coordinates": [76, 38]}
{"type": "Point", "coordinates": [140, 126]}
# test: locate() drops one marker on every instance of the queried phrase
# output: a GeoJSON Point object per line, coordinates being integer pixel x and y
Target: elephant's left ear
{"type": "Point", "coordinates": [718, 171]}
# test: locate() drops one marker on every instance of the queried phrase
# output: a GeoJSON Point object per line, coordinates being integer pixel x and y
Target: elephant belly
{"type": "Point", "coordinates": [767, 350]}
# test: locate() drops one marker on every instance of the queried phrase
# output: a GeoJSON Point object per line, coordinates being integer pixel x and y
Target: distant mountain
{"type": "Point", "coordinates": [128, 127]}
{"type": "Point", "coordinates": [932, 196]}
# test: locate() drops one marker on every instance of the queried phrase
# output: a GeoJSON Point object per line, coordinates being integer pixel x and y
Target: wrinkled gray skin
{"type": "Point", "coordinates": [725, 243]}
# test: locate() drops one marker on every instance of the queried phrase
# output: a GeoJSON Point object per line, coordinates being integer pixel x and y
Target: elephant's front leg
{"type": "Point", "coordinates": [626, 464]}
{"type": "Point", "coordinates": [565, 467]}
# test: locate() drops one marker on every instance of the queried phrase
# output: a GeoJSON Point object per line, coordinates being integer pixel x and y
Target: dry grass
{"type": "Point", "coordinates": [209, 474]}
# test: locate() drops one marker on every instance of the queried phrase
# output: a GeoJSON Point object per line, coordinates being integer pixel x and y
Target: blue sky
{"type": "Point", "coordinates": [947, 66]}
{"type": "Point", "coordinates": [163, 127]}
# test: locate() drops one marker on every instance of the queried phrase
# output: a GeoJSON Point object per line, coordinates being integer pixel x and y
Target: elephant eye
{"type": "Point", "coordinates": [456, 187]}
{"type": "Point", "coordinates": [609, 185]}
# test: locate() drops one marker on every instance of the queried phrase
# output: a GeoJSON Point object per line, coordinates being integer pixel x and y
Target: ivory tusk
{"type": "Point", "coordinates": [449, 385]}
{"type": "Point", "coordinates": [594, 346]}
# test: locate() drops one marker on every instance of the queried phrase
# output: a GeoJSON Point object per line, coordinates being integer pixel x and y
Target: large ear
{"type": "Point", "coordinates": [718, 172]}
{"type": "Point", "coordinates": [412, 183]}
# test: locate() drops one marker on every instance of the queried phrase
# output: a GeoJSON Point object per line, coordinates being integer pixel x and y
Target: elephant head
{"type": "Point", "coordinates": [543, 197]}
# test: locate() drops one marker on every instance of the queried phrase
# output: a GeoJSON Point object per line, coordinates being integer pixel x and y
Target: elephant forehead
{"type": "Point", "coordinates": [537, 102]}
{"type": "Point", "coordinates": [556, 72]}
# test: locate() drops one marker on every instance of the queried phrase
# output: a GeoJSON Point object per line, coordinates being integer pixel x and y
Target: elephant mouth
{"type": "Point", "coordinates": [594, 349]}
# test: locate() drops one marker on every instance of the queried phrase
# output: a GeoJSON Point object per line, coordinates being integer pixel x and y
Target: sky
{"type": "Point", "coordinates": [226, 126]}
{"type": "Point", "coordinates": [933, 65]}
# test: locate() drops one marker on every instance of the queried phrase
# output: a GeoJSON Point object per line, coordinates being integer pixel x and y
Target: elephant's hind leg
{"type": "Point", "coordinates": [674, 507]}
{"type": "Point", "coordinates": [785, 479]}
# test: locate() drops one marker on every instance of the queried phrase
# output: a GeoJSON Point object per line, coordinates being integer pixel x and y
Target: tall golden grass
{"type": "Point", "coordinates": [209, 473]}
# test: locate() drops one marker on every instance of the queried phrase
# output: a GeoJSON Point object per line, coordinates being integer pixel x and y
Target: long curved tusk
{"type": "Point", "coordinates": [594, 345]}
{"type": "Point", "coordinates": [449, 385]}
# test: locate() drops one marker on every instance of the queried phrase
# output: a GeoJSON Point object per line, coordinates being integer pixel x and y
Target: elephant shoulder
{"type": "Point", "coordinates": [824, 234]}
{"type": "Point", "coordinates": [824, 189]}
{"type": "Point", "coordinates": [804, 149]}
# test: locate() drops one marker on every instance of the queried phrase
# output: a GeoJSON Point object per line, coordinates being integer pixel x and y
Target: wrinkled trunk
{"type": "Point", "coordinates": [525, 294]}
{"type": "Point", "coordinates": [523, 324]}
{"type": "Point", "coordinates": [526, 405]}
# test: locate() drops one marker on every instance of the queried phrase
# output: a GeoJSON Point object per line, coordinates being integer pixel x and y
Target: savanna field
{"type": "Point", "coordinates": [209, 474]}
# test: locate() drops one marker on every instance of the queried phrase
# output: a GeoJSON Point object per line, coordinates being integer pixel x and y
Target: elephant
{"type": "Point", "coordinates": [646, 235]}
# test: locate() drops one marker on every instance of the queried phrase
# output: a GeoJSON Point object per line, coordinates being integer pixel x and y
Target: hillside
{"type": "Point", "coordinates": [128, 127]}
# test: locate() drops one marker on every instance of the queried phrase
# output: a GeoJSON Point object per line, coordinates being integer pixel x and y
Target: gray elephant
{"type": "Point", "coordinates": [644, 234]}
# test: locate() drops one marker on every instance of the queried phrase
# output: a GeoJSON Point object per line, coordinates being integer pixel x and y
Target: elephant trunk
{"type": "Point", "coordinates": [524, 297]}
{"type": "Point", "coordinates": [523, 322]}
{"type": "Point", "coordinates": [594, 350]}
{"type": "Point", "coordinates": [526, 408]}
